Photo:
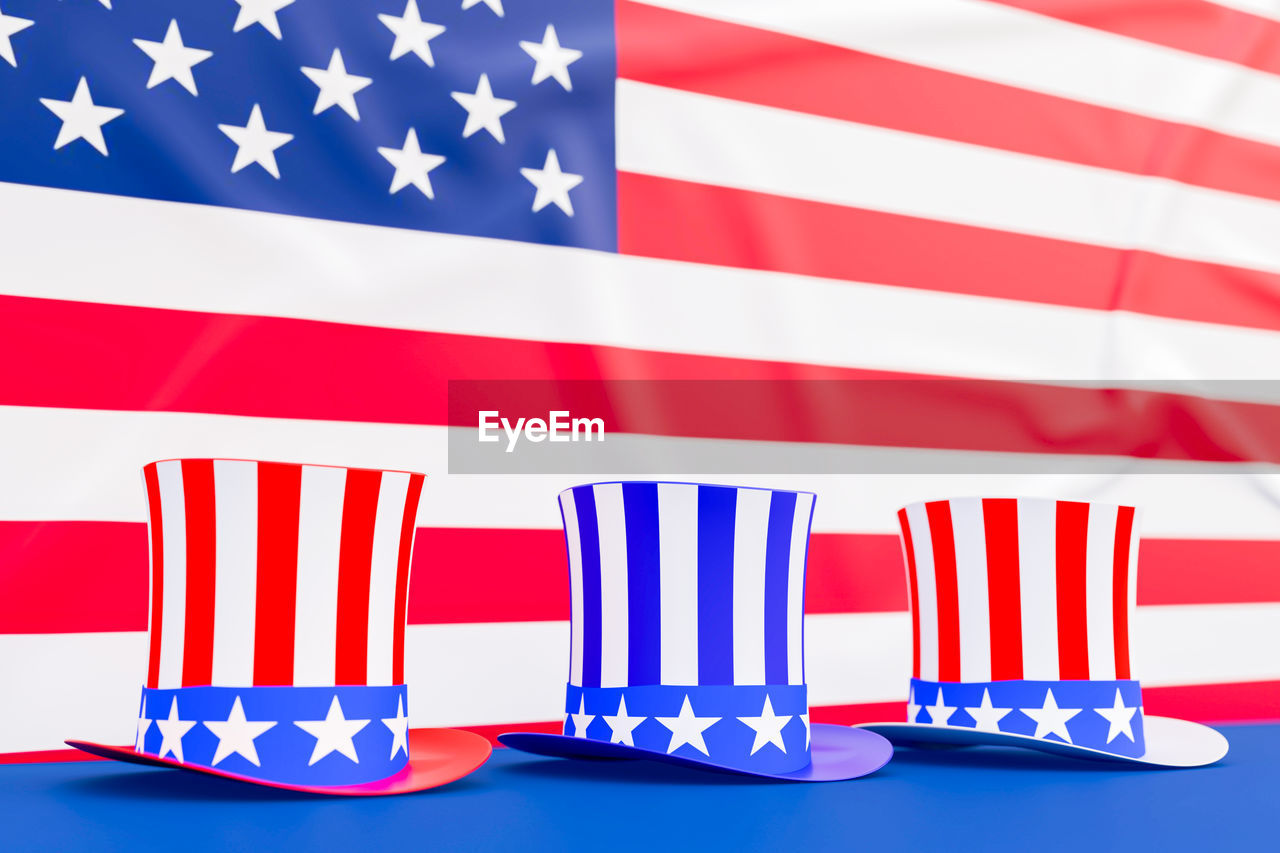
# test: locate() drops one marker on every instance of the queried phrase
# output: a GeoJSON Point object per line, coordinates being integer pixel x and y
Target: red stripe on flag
{"type": "Point", "coordinates": [944, 570]}
{"type": "Point", "coordinates": [279, 490]}
{"type": "Point", "coordinates": [355, 561]}
{"type": "Point", "coordinates": [1193, 26]}
{"type": "Point", "coordinates": [913, 591]}
{"type": "Point", "coordinates": [753, 230]}
{"type": "Point", "coordinates": [118, 358]}
{"type": "Point", "coordinates": [1120, 589]}
{"type": "Point", "coordinates": [1004, 592]}
{"type": "Point", "coordinates": [156, 544]}
{"type": "Point", "coordinates": [402, 573]}
{"type": "Point", "coordinates": [1073, 618]}
{"type": "Point", "coordinates": [197, 639]}
{"type": "Point", "coordinates": [741, 63]}
{"type": "Point", "coordinates": [97, 572]}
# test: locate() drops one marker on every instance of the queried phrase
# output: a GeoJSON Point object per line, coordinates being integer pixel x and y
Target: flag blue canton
{"type": "Point", "coordinates": [513, 176]}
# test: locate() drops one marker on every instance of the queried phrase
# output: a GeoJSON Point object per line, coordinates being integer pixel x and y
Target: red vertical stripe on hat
{"type": "Point", "coordinates": [407, 527]}
{"type": "Point", "coordinates": [1073, 615]}
{"type": "Point", "coordinates": [1120, 590]}
{"type": "Point", "coordinates": [1004, 591]}
{"type": "Point", "coordinates": [197, 640]}
{"type": "Point", "coordinates": [913, 591]}
{"type": "Point", "coordinates": [355, 562]}
{"type": "Point", "coordinates": [157, 571]}
{"type": "Point", "coordinates": [944, 571]}
{"type": "Point", "coordinates": [279, 494]}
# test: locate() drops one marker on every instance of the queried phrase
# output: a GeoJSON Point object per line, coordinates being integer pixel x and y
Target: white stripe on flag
{"type": "Point", "coordinates": [992, 41]}
{"type": "Point", "coordinates": [128, 248]}
{"type": "Point", "coordinates": [572, 533]}
{"type": "Point", "coordinates": [1182, 499]}
{"type": "Point", "coordinates": [750, 535]}
{"type": "Point", "coordinates": [383, 563]}
{"type": "Point", "coordinates": [614, 624]}
{"type": "Point", "coordinates": [683, 135]}
{"type": "Point", "coordinates": [1100, 557]}
{"type": "Point", "coordinates": [678, 582]}
{"type": "Point", "coordinates": [319, 542]}
{"type": "Point", "coordinates": [235, 485]}
{"type": "Point", "coordinates": [926, 589]}
{"type": "Point", "coordinates": [1038, 584]}
{"type": "Point", "coordinates": [971, 589]}
{"type": "Point", "coordinates": [513, 672]}
{"type": "Point", "coordinates": [173, 621]}
{"type": "Point", "coordinates": [795, 587]}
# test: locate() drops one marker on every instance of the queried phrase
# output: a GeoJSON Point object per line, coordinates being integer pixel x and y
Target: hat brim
{"type": "Point", "coordinates": [436, 757]}
{"type": "Point", "coordinates": [1170, 742]}
{"type": "Point", "coordinates": [837, 753]}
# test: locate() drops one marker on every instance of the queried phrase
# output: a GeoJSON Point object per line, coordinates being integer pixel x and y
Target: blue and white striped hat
{"type": "Point", "coordinates": [687, 633]}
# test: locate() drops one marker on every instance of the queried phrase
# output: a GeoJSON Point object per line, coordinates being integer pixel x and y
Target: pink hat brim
{"type": "Point", "coordinates": [436, 757]}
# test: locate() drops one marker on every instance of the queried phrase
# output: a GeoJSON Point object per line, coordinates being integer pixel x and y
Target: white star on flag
{"type": "Point", "coordinates": [985, 717]}
{"type": "Point", "coordinates": [582, 719]}
{"type": "Point", "coordinates": [484, 111]}
{"type": "Point", "coordinates": [236, 735]}
{"type": "Point", "coordinates": [173, 59]}
{"type": "Point", "coordinates": [412, 33]}
{"type": "Point", "coordinates": [1119, 718]}
{"type": "Point", "coordinates": [105, 3]}
{"type": "Point", "coordinates": [550, 59]}
{"type": "Point", "coordinates": [337, 87]}
{"type": "Point", "coordinates": [412, 165]}
{"type": "Point", "coordinates": [623, 725]}
{"type": "Point", "coordinates": [552, 184]}
{"type": "Point", "coordinates": [804, 718]}
{"type": "Point", "coordinates": [687, 729]}
{"type": "Point", "coordinates": [333, 734]}
{"type": "Point", "coordinates": [9, 25]}
{"type": "Point", "coordinates": [495, 5]}
{"type": "Point", "coordinates": [399, 725]}
{"type": "Point", "coordinates": [255, 144]}
{"type": "Point", "coordinates": [768, 727]}
{"type": "Point", "coordinates": [172, 731]}
{"type": "Point", "coordinates": [81, 118]}
{"type": "Point", "coordinates": [140, 739]}
{"type": "Point", "coordinates": [939, 713]}
{"type": "Point", "coordinates": [1051, 720]}
{"type": "Point", "coordinates": [260, 12]}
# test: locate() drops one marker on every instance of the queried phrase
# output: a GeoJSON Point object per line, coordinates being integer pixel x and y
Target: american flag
{"type": "Point", "coordinates": [275, 229]}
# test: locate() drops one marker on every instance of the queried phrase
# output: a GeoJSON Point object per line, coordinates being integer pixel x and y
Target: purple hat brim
{"type": "Point", "coordinates": [436, 757]}
{"type": "Point", "coordinates": [837, 753]}
{"type": "Point", "coordinates": [1170, 742]}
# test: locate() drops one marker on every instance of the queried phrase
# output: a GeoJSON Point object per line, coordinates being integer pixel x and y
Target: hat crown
{"type": "Point", "coordinates": [686, 584]}
{"type": "Point", "coordinates": [267, 573]}
{"type": "Point", "coordinates": [1020, 588]}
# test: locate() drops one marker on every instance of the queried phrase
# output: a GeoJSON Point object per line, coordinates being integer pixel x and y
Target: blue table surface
{"type": "Point", "coordinates": [986, 799]}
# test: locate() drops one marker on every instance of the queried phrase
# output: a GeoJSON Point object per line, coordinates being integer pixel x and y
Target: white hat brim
{"type": "Point", "coordinates": [1170, 742]}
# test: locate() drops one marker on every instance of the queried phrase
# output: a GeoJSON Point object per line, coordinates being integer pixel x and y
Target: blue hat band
{"type": "Point", "coordinates": [312, 736]}
{"type": "Point", "coordinates": [1101, 715]}
{"type": "Point", "coordinates": [763, 728]}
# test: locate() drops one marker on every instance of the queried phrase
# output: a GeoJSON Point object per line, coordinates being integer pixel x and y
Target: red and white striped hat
{"type": "Point", "coordinates": [1021, 614]}
{"type": "Point", "coordinates": [278, 601]}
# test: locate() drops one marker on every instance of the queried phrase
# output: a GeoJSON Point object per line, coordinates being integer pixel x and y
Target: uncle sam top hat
{"type": "Point", "coordinates": [1021, 613]}
{"type": "Point", "coordinates": [278, 597]}
{"type": "Point", "coordinates": [687, 634]}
